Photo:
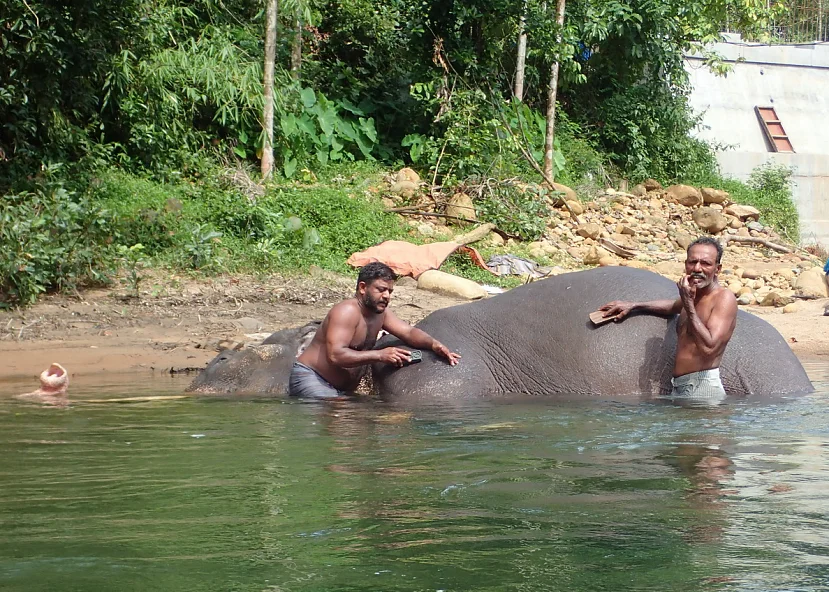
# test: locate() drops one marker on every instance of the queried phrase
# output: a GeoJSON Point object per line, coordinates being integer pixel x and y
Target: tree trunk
{"type": "Point", "coordinates": [522, 55]}
{"type": "Point", "coordinates": [267, 113]}
{"type": "Point", "coordinates": [296, 49]}
{"type": "Point", "coordinates": [549, 170]}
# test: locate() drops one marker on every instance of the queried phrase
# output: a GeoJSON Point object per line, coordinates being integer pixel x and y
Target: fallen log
{"type": "Point", "coordinates": [759, 241]}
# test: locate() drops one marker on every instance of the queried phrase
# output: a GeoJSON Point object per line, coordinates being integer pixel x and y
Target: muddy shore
{"type": "Point", "coordinates": [178, 325]}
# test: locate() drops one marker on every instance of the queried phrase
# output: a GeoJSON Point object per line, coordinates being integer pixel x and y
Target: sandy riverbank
{"type": "Point", "coordinates": [178, 327]}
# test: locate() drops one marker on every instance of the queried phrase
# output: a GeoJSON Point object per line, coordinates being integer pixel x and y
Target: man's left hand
{"type": "Point", "coordinates": [444, 352]}
{"type": "Point", "coordinates": [687, 292]}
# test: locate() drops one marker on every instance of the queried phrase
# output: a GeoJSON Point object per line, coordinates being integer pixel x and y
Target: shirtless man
{"type": "Point", "coordinates": [707, 317]}
{"type": "Point", "coordinates": [339, 355]}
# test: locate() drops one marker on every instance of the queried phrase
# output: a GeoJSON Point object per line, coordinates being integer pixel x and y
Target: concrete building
{"type": "Point", "coordinates": [794, 79]}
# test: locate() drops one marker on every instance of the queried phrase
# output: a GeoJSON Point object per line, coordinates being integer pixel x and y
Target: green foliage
{"type": "Point", "coordinates": [133, 260]}
{"type": "Point", "coordinates": [51, 239]}
{"type": "Point", "coordinates": [321, 130]}
{"type": "Point", "coordinates": [481, 135]}
{"type": "Point", "coordinates": [647, 132]}
{"type": "Point", "coordinates": [516, 209]}
{"type": "Point", "coordinates": [214, 228]}
{"type": "Point", "coordinates": [769, 189]}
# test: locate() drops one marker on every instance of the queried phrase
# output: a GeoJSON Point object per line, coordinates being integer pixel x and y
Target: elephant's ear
{"type": "Point", "coordinates": [304, 341]}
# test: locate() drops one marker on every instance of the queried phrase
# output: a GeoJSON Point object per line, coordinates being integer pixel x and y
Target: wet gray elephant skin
{"type": "Point", "coordinates": [537, 339]}
{"type": "Point", "coordinates": [257, 369]}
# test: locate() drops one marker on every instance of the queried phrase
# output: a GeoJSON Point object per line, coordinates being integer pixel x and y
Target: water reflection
{"type": "Point", "coordinates": [268, 495]}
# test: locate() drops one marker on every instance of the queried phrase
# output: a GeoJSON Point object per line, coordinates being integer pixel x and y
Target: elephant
{"type": "Point", "coordinates": [536, 339]}
{"type": "Point", "coordinates": [258, 369]}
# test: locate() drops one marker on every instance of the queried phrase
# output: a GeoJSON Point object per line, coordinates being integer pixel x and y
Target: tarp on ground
{"type": "Point", "coordinates": [408, 259]}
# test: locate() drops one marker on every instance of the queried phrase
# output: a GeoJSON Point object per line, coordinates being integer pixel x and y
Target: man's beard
{"type": "Point", "coordinates": [704, 280]}
{"type": "Point", "coordinates": [373, 305]}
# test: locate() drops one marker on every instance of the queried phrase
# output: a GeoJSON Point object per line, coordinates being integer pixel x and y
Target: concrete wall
{"type": "Point", "coordinates": [795, 81]}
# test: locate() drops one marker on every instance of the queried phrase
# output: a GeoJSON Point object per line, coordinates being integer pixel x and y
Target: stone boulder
{"type": "Point", "coordinates": [575, 207]}
{"type": "Point", "coordinates": [709, 220]}
{"type": "Point", "coordinates": [775, 299]}
{"type": "Point", "coordinates": [590, 230]}
{"type": "Point", "coordinates": [450, 285]}
{"type": "Point", "coordinates": [639, 190]}
{"type": "Point", "coordinates": [652, 185]}
{"type": "Point", "coordinates": [595, 255]}
{"type": "Point", "coordinates": [713, 196]}
{"type": "Point", "coordinates": [405, 189]}
{"type": "Point", "coordinates": [461, 206]}
{"type": "Point", "coordinates": [407, 174]}
{"type": "Point", "coordinates": [811, 283]}
{"type": "Point", "coordinates": [743, 213]}
{"type": "Point", "coordinates": [683, 239]}
{"type": "Point", "coordinates": [685, 195]}
{"type": "Point", "coordinates": [569, 194]}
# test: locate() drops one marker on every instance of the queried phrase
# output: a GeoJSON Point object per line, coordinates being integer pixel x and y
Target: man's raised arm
{"type": "Point", "coordinates": [619, 309]}
{"type": "Point", "coordinates": [712, 336]}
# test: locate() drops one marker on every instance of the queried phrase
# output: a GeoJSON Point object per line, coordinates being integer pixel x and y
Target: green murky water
{"type": "Point", "coordinates": [204, 494]}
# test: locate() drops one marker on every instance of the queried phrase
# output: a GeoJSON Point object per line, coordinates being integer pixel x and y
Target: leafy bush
{"type": "Point", "coordinates": [769, 189]}
{"type": "Point", "coordinates": [52, 239]}
{"type": "Point", "coordinates": [516, 209]}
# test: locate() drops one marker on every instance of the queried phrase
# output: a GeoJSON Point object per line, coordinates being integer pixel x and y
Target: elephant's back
{"type": "Point", "coordinates": [538, 338]}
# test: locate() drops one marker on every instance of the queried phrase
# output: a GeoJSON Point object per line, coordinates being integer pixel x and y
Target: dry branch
{"type": "Point", "coordinates": [759, 241]}
{"type": "Point", "coordinates": [410, 211]}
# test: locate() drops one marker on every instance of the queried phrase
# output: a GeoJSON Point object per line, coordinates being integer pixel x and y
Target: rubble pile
{"type": "Point", "coordinates": [650, 227]}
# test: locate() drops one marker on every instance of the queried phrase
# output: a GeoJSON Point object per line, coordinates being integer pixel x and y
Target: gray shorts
{"type": "Point", "coordinates": [305, 382]}
{"type": "Point", "coordinates": [698, 389]}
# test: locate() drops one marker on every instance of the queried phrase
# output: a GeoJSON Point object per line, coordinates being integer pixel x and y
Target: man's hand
{"type": "Point", "coordinates": [617, 309]}
{"type": "Point", "coordinates": [394, 356]}
{"type": "Point", "coordinates": [444, 352]}
{"type": "Point", "coordinates": [687, 292]}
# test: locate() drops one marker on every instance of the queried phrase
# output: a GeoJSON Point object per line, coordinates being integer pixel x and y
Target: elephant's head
{"type": "Point", "coordinates": [262, 368]}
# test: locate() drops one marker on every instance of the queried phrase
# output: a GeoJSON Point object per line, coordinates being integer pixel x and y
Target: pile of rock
{"type": "Point", "coordinates": [651, 227]}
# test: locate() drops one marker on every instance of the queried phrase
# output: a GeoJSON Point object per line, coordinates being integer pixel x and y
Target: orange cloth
{"type": "Point", "coordinates": [408, 259]}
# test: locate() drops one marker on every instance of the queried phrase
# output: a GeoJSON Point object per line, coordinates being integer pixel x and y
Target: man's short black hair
{"type": "Point", "coordinates": [708, 240]}
{"type": "Point", "coordinates": [376, 271]}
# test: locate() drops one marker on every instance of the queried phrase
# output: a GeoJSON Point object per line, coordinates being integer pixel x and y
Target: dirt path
{"type": "Point", "coordinates": [178, 324]}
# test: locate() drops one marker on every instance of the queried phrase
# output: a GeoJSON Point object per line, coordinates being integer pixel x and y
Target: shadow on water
{"type": "Point", "coordinates": [218, 494]}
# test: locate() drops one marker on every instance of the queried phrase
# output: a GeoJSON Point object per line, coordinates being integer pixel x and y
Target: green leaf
{"type": "Point", "coordinates": [308, 97]}
{"type": "Point", "coordinates": [289, 167]}
{"type": "Point", "coordinates": [322, 156]}
{"type": "Point", "coordinates": [240, 152]}
{"type": "Point", "coordinates": [350, 107]}
{"type": "Point", "coordinates": [367, 127]}
{"type": "Point", "coordinates": [327, 120]}
{"type": "Point", "coordinates": [288, 123]}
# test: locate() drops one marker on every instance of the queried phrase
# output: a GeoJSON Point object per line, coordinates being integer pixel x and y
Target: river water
{"type": "Point", "coordinates": [216, 494]}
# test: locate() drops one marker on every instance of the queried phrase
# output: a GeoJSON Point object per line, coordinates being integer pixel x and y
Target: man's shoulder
{"type": "Point", "coordinates": [346, 309]}
{"type": "Point", "coordinates": [723, 295]}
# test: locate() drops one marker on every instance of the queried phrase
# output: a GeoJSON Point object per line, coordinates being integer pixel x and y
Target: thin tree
{"type": "Point", "coordinates": [549, 170]}
{"type": "Point", "coordinates": [518, 91]}
{"type": "Point", "coordinates": [270, 57]}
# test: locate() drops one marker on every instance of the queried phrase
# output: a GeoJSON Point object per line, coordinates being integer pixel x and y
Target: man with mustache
{"type": "Point", "coordinates": [707, 317]}
{"type": "Point", "coordinates": [342, 349]}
